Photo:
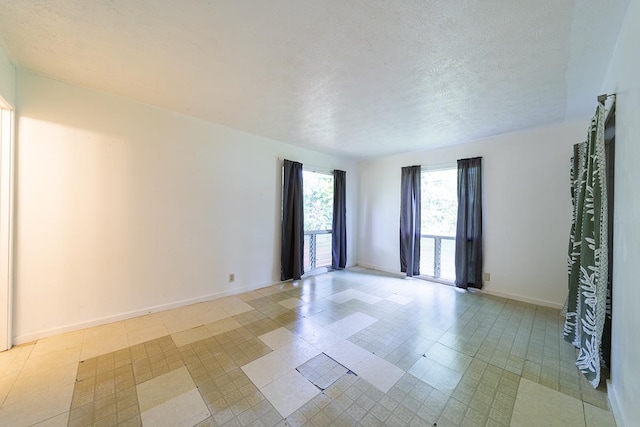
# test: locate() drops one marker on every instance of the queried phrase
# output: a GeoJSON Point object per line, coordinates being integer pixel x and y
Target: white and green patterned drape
{"type": "Point", "coordinates": [588, 254]}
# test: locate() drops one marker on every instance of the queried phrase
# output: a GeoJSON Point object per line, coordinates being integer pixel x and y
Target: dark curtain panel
{"type": "Point", "coordinates": [469, 225]}
{"type": "Point", "coordinates": [410, 221]}
{"type": "Point", "coordinates": [339, 227]}
{"type": "Point", "coordinates": [292, 222]}
{"type": "Point", "coordinates": [610, 150]}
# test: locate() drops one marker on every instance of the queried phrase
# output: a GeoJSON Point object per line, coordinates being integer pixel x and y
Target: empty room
{"type": "Point", "coordinates": [319, 213]}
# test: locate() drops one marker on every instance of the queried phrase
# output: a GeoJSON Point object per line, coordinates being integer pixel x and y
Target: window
{"type": "Point", "coordinates": [439, 213]}
{"type": "Point", "coordinates": [318, 219]}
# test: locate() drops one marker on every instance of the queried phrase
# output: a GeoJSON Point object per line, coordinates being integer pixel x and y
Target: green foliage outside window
{"type": "Point", "coordinates": [439, 202]}
{"type": "Point", "coordinates": [318, 200]}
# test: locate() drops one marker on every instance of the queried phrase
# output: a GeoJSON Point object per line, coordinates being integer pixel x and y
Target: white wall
{"type": "Point", "coordinates": [527, 209]}
{"type": "Point", "coordinates": [123, 208]}
{"type": "Point", "coordinates": [7, 78]}
{"type": "Point", "coordinates": [622, 78]}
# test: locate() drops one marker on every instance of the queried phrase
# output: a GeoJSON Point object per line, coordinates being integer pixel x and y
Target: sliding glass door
{"type": "Point", "coordinates": [318, 217]}
{"type": "Point", "coordinates": [438, 226]}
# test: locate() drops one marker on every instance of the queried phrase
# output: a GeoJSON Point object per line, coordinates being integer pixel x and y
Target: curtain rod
{"type": "Point", "coordinates": [321, 168]}
{"type": "Point", "coordinates": [604, 96]}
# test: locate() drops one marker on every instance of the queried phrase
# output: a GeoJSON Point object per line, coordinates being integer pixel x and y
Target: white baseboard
{"type": "Point", "coordinates": [315, 272]}
{"type": "Point", "coordinates": [489, 291]}
{"type": "Point", "coordinates": [613, 404]}
{"type": "Point", "coordinates": [21, 339]}
{"type": "Point", "coordinates": [516, 297]}
{"type": "Point", "coordinates": [395, 273]}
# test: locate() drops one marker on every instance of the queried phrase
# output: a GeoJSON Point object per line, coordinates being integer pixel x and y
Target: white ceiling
{"type": "Point", "coordinates": [359, 78]}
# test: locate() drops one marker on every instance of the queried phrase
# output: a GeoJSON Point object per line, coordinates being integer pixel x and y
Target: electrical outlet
{"type": "Point", "coordinates": [232, 277]}
{"type": "Point", "coordinates": [486, 277]}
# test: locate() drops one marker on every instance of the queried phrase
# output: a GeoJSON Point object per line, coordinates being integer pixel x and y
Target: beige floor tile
{"type": "Point", "coordinates": [6, 382]}
{"type": "Point", "coordinates": [264, 370]}
{"type": "Point", "coordinates": [449, 357]}
{"type": "Point", "coordinates": [209, 311]}
{"type": "Point", "coordinates": [109, 331]}
{"type": "Point", "coordinates": [212, 316]}
{"type": "Point", "coordinates": [190, 336]}
{"type": "Point", "coordinates": [179, 319]}
{"type": "Point", "coordinates": [104, 339]}
{"type": "Point", "coordinates": [41, 380]}
{"type": "Point", "coordinates": [349, 294]}
{"type": "Point", "coordinates": [206, 306]}
{"type": "Point", "coordinates": [29, 409]}
{"type": "Point", "coordinates": [268, 368]}
{"type": "Point", "coordinates": [64, 356]}
{"type": "Point", "coordinates": [146, 321]}
{"type": "Point", "coordinates": [322, 371]}
{"type": "Point", "coordinates": [378, 372]}
{"type": "Point", "coordinates": [57, 343]}
{"type": "Point", "coordinates": [315, 334]}
{"type": "Point", "coordinates": [297, 352]}
{"type": "Point", "coordinates": [12, 360]}
{"type": "Point", "coordinates": [141, 335]}
{"type": "Point", "coordinates": [186, 409]}
{"type": "Point", "coordinates": [278, 338]}
{"type": "Point", "coordinates": [221, 326]}
{"type": "Point", "coordinates": [537, 405]}
{"type": "Point", "coordinates": [351, 324]}
{"type": "Point", "coordinates": [598, 417]}
{"type": "Point", "coordinates": [164, 388]}
{"type": "Point", "coordinates": [466, 339]}
{"type": "Point", "coordinates": [230, 301]}
{"type": "Point", "coordinates": [268, 291]}
{"type": "Point", "coordinates": [291, 303]}
{"type": "Point", "coordinates": [61, 420]}
{"type": "Point", "coordinates": [238, 308]}
{"type": "Point", "coordinates": [436, 375]}
{"type": "Point", "coordinates": [346, 353]}
{"type": "Point", "coordinates": [100, 347]}
{"type": "Point", "coordinates": [251, 295]}
{"type": "Point", "coordinates": [145, 328]}
{"type": "Point", "coordinates": [399, 299]}
{"type": "Point", "coordinates": [289, 392]}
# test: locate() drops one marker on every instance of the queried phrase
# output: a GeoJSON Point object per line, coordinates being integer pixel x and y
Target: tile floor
{"type": "Point", "coordinates": [346, 348]}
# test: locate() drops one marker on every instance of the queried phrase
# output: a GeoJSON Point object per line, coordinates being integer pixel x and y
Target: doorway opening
{"type": "Point", "coordinates": [6, 222]}
{"type": "Point", "coordinates": [318, 219]}
{"type": "Point", "coordinates": [439, 212]}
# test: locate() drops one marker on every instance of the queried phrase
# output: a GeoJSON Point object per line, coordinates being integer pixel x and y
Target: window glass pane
{"type": "Point", "coordinates": [318, 200]}
{"type": "Point", "coordinates": [439, 194]}
{"type": "Point", "coordinates": [318, 219]}
{"type": "Point", "coordinates": [439, 202]}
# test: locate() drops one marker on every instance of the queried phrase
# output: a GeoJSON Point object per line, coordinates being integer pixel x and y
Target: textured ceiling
{"type": "Point", "coordinates": [360, 78]}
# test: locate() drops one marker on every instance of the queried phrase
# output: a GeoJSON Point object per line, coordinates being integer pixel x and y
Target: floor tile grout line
{"type": "Point", "coordinates": [540, 325]}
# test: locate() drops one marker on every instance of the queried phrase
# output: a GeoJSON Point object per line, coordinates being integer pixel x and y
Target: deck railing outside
{"type": "Point", "coordinates": [437, 256]}
{"type": "Point", "coordinates": [317, 249]}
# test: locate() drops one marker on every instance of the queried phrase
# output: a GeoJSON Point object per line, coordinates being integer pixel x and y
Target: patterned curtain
{"type": "Point", "coordinates": [588, 253]}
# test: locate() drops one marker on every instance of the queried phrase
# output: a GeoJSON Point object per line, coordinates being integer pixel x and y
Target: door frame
{"type": "Point", "coordinates": [7, 157]}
